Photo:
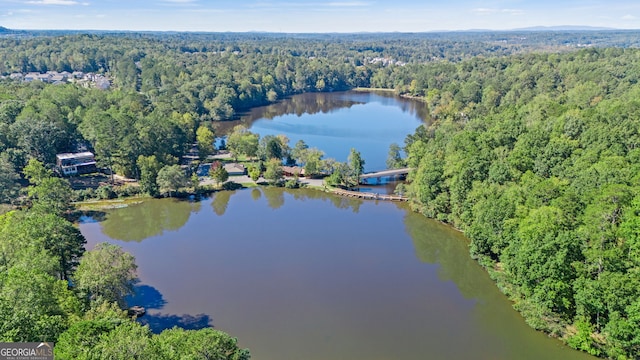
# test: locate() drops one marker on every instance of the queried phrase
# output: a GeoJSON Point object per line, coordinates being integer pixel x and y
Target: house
{"type": "Point", "coordinates": [69, 164]}
{"type": "Point", "coordinates": [293, 171]}
{"type": "Point", "coordinates": [31, 77]}
{"type": "Point", "coordinates": [58, 78]}
{"type": "Point", "coordinates": [45, 77]}
{"type": "Point", "coordinates": [235, 169]}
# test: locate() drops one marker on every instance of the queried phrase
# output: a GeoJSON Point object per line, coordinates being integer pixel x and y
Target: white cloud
{"type": "Point", "coordinates": [629, 17]}
{"type": "Point", "coordinates": [53, 2]}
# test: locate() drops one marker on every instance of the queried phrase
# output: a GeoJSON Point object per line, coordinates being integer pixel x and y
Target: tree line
{"type": "Point", "coordinates": [535, 158]}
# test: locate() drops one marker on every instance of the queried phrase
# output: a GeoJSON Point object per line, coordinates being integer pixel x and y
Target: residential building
{"type": "Point", "coordinates": [69, 164]}
{"type": "Point", "coordinates": [235, 169]}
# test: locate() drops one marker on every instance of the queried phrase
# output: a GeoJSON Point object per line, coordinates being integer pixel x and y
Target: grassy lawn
{"type": "Point", "coordinates": [90, 205]}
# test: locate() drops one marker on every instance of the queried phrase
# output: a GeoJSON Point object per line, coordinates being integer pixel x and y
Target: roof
{"type": "Point", "coordinates": [293, 170]}
{"type": "Point", "coordinates": [74, 155]}
{"type": "Point", "coordinates": [234, 167]}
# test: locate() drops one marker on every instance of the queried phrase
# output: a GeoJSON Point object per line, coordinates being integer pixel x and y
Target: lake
{"type": "Point", "coordinates": [337, 122]}
{"type": "Point", "coordinates": [300, 274]}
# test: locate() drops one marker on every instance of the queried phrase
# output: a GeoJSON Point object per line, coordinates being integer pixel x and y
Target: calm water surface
{"type": "Point", "coordinates": [337, 122]}
{"type": "Point", "coordinates": [304, 275]}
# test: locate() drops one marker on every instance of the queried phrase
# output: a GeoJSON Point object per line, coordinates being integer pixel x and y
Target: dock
{"type": "Point", "coordinates": [369, 196]}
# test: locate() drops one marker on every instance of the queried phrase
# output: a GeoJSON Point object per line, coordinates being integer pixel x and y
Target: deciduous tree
{"type": "Point", "coordinates": [170, 179]}
{"type": "Point", "coordinates": [106, 273]}
{"type": "Point", "coordinates": [205, 138]}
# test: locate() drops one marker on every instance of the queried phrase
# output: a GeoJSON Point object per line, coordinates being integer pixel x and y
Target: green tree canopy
{"type": "Point", "coordinates": [170, 179]}
{"type": "Point", "coordinates": [356, 165]}
{"type": "Point", "coordinates": [8, 181]}
{"type": "Point", "coordinates": [205, 138]}
{"type": "Point", "coordinates": [241, 141]}
{"type": "Point", "coordinates": [149, 168]}
{"type": "Point", "coordinates": [274, 173]}
{"type": "Point", "coordinates": [218, 173]}
{"type": "Point", "coordinates": [106, 273]}
{"type": "Point", "coordinates": [394, 159]}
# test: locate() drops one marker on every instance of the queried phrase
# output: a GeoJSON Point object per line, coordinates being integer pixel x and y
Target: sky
{"type": "Point", "coordinates": [310, 16]}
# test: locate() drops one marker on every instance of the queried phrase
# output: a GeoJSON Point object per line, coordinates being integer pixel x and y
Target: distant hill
{"type": "Point", "coordinates": [5, 31]}
{"type": "Point", "coordinates": [565, 28]}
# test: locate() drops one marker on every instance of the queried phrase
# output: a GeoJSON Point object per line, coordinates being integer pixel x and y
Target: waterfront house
{"type": "Point", "coordinates": [293, 171]}
{"type": "Point", "coordinates": [235, 169]}
{"type": "Point", "coordinates": [69, 164]}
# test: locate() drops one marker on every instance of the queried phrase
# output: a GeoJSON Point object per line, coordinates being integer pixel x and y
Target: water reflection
{"type": "Point", "coordinates": [256, 194]}
{"type": "Point", "coordinates": [274, 196]}
{"type": "Point", "coordinates": [221, 201]}
{"type": "Point", "coordinates": [314, 103]}
{"type": "Point", "coordinates": [495, 319]}
{"type": "Point", "coordinates": [385, 185]}
{"type": "Point", "coordinates": [160, 322]}
{"type": "Point", "coordinates": [336, 122]}
{"type": "Point", "coordinates": [309, 103]}
{"type": "Point", "coordinates": [150, 218]}
{"type": "Point", "coordinates": [436, 243]}
{"type": "Point", "coordinates": [339, 202]}
{"type": "Point", "coordinates": [153, 217]}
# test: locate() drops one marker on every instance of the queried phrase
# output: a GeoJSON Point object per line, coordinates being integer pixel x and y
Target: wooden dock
{"type": "Point", "coordinates": [369, 196]}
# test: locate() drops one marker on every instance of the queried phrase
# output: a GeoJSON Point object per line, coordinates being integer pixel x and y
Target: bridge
{"type": "Point", "coordinates": [386, 173]}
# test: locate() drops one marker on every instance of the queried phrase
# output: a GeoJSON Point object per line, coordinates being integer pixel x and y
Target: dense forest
{"type": "Point", "coordinates": [536, 159]}
{"type": "Point", "coordinates": [532, 150]}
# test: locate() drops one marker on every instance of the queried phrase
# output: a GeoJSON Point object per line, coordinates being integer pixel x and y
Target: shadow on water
{"type": "Point", "coordinates": [146, 296]}
{"type": "Point", "coordinates": [87, 217]}
{"type": "Point", "coordinates": [151, 299]}
{"type": "Point", "coordinates": [159, 322]}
